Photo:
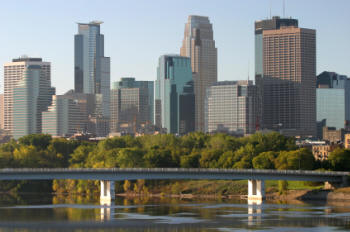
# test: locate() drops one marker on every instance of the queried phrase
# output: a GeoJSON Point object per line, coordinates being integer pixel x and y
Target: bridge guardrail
{"type": "Point", "coordinates": [194, 170]}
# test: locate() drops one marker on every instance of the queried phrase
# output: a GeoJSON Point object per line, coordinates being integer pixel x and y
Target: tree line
{"type": "Point", "coordinates": [194, 150]}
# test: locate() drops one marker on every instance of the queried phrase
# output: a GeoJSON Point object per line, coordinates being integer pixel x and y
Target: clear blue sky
{"type": "Point", "coordinates": [137, 32]}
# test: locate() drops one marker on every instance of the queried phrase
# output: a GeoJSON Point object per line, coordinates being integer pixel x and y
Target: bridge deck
{"type": "Point", "coordinates": [167, 173]}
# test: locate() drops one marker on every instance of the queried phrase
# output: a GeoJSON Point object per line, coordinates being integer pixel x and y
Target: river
{"type": "Point", "coordinates": [35, 212]}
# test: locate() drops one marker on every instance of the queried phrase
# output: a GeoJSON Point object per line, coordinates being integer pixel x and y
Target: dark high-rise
{"type": "Point", "coordinates": [131, 104]}
{"type": "Point", "coordinates": [285, 73]}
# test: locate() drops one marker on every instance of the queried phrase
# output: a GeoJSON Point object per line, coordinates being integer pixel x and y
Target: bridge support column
{"type": "Point", "coordinates": [107, 192]}
{"type": "Point", "coordinates": [256, 190]}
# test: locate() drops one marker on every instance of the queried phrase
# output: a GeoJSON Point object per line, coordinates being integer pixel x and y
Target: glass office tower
{"type": "Point", "coordinates": [174, 84]}
{"type": "Point", "coordinates": [332, 101]}
{"type": "Point", "coordinates": [92, 68]}
{"type": "Point", "coordinates": [231, 107]}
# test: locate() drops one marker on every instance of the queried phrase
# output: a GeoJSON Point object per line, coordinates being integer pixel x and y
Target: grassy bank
{"type": "Point", "coordinates": [219, 187]}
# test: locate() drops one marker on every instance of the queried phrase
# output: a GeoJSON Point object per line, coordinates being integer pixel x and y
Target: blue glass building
{"type": "Point", "coordinates": [174, 96]}
{"type": "Point", "coordinates": [332, 101]}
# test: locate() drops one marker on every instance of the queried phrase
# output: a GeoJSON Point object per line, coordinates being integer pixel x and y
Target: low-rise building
{"type": "Point", "coordinates": [322, 151]}
{"type": "Point", "coordinates": [347, 141]}
{"type": "Point", "coordinates": [332, 135]}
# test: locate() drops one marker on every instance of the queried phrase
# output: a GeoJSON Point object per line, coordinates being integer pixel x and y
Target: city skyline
{"type": "Point", "coordinates": [235, 50]}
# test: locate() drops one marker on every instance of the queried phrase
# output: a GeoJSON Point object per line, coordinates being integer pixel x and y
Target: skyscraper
{"type": "Point", "coordinates": [131, 104]}
{"type": "Point", "coordinates": [2, 111]}
{"type": "Point", "coordinates": [92, 68]}
{"type": "Point", "coordinates": [285, 73]}
{"type": "Point", "coordinates": [199, 45]}
{"type": "Point", "coordinates": [231, 107]}
{"type": "Point", "coordinates": [32, 79]}
{"type": "Point", "coordinates": [174, 95]}
{"type": "Point", "coordinates": [332, 101]}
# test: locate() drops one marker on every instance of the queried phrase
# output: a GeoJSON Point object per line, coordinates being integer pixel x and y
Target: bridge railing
{"type": "Point", "coordinates": [168, 170]}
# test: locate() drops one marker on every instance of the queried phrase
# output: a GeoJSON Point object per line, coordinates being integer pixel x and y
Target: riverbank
{"type": "Point", "coordinates": [341, 194]}
{"type": "Point", "coordinates": [295, 190]}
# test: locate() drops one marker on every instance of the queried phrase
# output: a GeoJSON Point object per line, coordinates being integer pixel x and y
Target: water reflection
{"type": "Point", "coordinates": [254, 212]}
{"type": "Point", "coordinates": [166, 214]}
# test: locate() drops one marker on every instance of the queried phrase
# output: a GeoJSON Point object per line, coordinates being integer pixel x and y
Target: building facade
{"type": "Point", "coordinates": [199, 45]}
{"type": "Point", "coordinates": [332, 101]}
{"type": "Point", "coordinates": [69, 114]}
{"type": "Point", "coordinates": [131, 104]}
{"type": "Point", "coordinates": [16, 71]}
{"type": "Point", "coordinates": [332, 135]}
{"type": "Point", "coordinates": [174, 97]}
{"type": "Point", "coordinates": [285, 71]}
{"type": "Point", "coordinates": [2, 115]}
{"type": "Point", "coordinates": [62, 119]}
{"type": "Point", "coordinates": [92, 68]}
{"type": "Point", "coordinates": [31, 96]}
{"type": "Point", "coordinates": [347, 141]}
{"type": "Point", "coordinates": [231, 107]}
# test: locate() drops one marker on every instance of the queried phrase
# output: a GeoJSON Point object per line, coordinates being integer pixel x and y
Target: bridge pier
{"type": "Point", "coordinates": [333, 185]}
{"type": "Point", "coordinates": [107, 194]}
{"type": "Point", "coordinates": [256, 190]}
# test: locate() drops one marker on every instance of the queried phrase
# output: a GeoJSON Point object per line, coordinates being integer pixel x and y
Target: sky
{"type": "Point", "coordinates": [138, 32]}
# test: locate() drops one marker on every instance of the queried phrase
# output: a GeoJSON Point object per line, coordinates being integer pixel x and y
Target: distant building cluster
{"type": "Point", "coordinates": [186, 95]}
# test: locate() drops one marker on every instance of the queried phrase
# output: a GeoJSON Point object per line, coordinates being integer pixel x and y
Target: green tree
{"type": "Point", "coordinates": [158, 157]}
{"type": "Point", "coordinates": [339, 159]}
{"type": "Point", "coordinates": [265, 160]}
{"type": "Point", "coordinates": [190, 161]}
{"type": "Point", "coordinates": [298, 159]}
{"type": "Point", "coordinates": [129, 158]}
{"type": "Point", "coordinates": [227, 160]}
{"type": "Point", "coordinates": [79, 157]}
{"type": "Point", "coordinates": [40, 141]}
{"type": "Point", "coordinates": [209, 158]}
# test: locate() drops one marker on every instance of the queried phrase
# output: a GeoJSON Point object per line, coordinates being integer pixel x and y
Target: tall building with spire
{"type": "Point", "coordinates": [285, 73]}
{"type": "Point", "coordinates": [199, 45]}
{"type": "Point", "coordinates": [92, 68]}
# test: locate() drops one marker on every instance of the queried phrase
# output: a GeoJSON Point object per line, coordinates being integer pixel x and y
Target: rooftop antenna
{"type": "Point", "coordinates": [284, 8]}
{"type": "Point", "coordinates": [270, 10]}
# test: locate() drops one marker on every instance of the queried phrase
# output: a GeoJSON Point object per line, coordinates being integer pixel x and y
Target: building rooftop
{"type": "Point", "coordinates": [274, 23]}
{"type": "Point", "coordinates": [241, 82]}
{"type": "Point", "coordinates": [94, 22]}
{"type": "Point", "coordinates": [26, 58]}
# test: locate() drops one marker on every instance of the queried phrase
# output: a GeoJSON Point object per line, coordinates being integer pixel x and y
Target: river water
{"type": "Point", "coordinates": [52, 213]}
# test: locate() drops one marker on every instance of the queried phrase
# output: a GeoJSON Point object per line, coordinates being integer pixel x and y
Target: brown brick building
{"type": "Point", "coordinates": [285, 64]}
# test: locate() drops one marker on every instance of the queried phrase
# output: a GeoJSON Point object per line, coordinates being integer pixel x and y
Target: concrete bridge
{"type": "Point", "coordinates": [107, 176]}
